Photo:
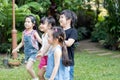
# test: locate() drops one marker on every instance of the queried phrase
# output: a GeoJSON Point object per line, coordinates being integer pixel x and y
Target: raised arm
{"type": "Point", "coordinates": [44, 49]}
{"type": "Point", "coordinates": [72, 38]}
{"type": "Point", "coordinates": [69, 42]}
{"type": "Point", "coordinates": [38, 37]}
{"type": "Point", "coordinates": [19, 46]}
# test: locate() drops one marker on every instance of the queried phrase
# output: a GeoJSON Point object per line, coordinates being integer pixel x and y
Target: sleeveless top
{"type": "Point", "coordinates": [44, 42]}
{"type": "Point", "coordinates": [50, 65]}
{"type": "Point", "coordinates": [30, 42]}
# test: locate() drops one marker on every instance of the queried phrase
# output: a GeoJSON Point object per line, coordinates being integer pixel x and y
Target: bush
{"type": "Point", "coordinates": [4, 47]}
{"type": "Point", "coordinates": [98, 33]}
{"type": "Point", "coordinates": [83, 33]}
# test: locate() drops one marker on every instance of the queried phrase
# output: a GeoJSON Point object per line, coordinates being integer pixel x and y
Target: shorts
{"type": "Point", "coordinates": [69, 71]}
{"type": "Point", "coordinates": [30, 55]}
{"type": "Point", "coordinates": [30, 58]}
{"type": "Point", "coordinates": [43, 62]}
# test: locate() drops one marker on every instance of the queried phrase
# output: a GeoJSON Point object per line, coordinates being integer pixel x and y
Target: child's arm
{"type": "Point", "coordinates": [38, 37]}
{"type": "Point", "coordinates": [72, 38]}
{"type": "Point", "coordinates": [57, 56]}
{"type": "Point", "coordinates": [43, 50]}
{"type": "Point", "coordinates": [69, 42]}
{"type": "Point", "coordinates": [19, 46]}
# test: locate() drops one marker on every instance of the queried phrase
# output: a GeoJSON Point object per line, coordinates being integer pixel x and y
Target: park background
{"type": "Point", "coordinates": [98, 22]}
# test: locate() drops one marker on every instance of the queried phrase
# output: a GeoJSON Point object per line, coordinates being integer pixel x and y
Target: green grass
{"type": "Point", "coordinates": [87, 67]}
{"type": "Point", "coordinates": [93, 67]}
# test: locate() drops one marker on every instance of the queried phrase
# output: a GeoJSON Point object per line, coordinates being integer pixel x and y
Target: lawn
{"type": "Point", "coordinates": [87, 67]}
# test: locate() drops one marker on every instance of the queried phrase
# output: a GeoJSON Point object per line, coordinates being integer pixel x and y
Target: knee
{"type": "Point", "coordinates": [28, 68]}
{"type": "Point", "coordinates": [40, 74]}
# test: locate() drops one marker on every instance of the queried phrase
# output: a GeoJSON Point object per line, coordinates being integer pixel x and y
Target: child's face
{"type": "Point", "coordinates": [62, 20]}
{"type": "Point", "coordinates": [43, 26]}
{"type": "Point", "coordinates": [50, 37]}
{"type": "Point", "coordinates": [28, 24]}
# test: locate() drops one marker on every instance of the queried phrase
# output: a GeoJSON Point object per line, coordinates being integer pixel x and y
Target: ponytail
{"type": "Point", "coordinates": [74, 19]}
{"type": "Point", "coordinates": [65, 58]}
{"type": "Point", "coordinates": [59, 33]}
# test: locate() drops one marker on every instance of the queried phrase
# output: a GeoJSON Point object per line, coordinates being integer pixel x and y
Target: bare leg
{"type": "Point", "coordinates": [41, 73]}
{"type": "Point", "coordinates": [29, 67]}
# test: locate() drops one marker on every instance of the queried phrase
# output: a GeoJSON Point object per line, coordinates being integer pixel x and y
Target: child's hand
{"type": "Point", "coordinates": [39, 55]}
{"type": "Point", "coordinates": [14, 50]}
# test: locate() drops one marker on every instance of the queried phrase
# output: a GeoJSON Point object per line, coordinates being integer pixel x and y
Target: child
{"type": "Point", "coordinates": [46, 24]}
{"type": "Point", "coordinates": [67, 20]}
{"type": "Point", "coordinates": [30, 39]}
{"type": "Point", "coordinates": [57, 55]}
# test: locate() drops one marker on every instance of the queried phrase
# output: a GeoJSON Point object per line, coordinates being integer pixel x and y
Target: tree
{"type": "Point", "coordinates": [6, 18]}
{"type": "Point", "coordinates": [113, 22]}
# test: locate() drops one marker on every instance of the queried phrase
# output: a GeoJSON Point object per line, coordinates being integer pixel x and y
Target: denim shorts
{"type": "Point", "coordinates": [30, 58]}
{"type": "Point", "coordinates": [69, 73]}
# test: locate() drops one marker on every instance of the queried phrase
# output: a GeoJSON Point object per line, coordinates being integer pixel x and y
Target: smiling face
{"type": "Point", "coordinates": [50, 37]}
{"type": "Point", "coordinates": [44, 26]}
{"type": "Point", "coordinates": [28, 23]}
{"type": "Point", "coordinates": [62, 20]}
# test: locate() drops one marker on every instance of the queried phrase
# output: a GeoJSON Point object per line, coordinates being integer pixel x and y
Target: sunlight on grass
{"type": "Point", "coordinates": [93, 67]}
{"type": "Point", "coordinates": [87, 67]}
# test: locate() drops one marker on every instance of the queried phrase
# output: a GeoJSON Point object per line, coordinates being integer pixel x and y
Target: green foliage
{"type": "Point", "coordinates": [86, 18]}
{"type": "Point", "coordinates": [82, 33]}
{"type": "Point", "coordinates": [19, 36]}
{"type": "Point", "coordinates": [85, 23]}
{"type": "Point", "coordinates": [99, 32]}
{"type": "Point", "coordinates": [36, 7]}
{"type": "Point", "coordinates": [68, 4]}
{"type": "Point", "coordinates": [4, 48]}
{"type": "Point", "coordinates": [20, 58]}
{"type": "Point", "coordinates": [27, 9]}
{"type": "Point", "coordinates": [108, 27]}
{"type": "Point", "coordinates": [20, 13]}
{"type": "Point", "coordinates": [112, 23]}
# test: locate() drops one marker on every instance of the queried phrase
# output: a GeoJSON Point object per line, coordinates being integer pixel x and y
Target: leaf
{"type": "Point", "coordinates": [5, 3]}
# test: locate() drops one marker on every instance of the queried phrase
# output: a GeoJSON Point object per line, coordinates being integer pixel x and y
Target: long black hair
{"type": "Point", "coordinates": [59, 33]}
{"type": "Point", "coordinates": [70, 15]}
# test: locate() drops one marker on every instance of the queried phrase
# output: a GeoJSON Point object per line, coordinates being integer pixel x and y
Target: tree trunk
{"type": "Point", "coordinates": [52, 9]}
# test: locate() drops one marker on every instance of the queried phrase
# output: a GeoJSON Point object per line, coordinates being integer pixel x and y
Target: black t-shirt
{"type": "Point", "coordinates": [71, 33]}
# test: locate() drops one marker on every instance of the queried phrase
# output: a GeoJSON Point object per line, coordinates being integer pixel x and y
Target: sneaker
{"type": "Point", "coordinates": [35, 79]}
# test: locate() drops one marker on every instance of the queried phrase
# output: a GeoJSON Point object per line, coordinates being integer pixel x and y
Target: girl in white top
{"type": "Point", "coordinates": [46, 24]}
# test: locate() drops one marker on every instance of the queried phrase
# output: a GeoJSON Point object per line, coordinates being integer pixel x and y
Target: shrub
{"type": "Point", "coordinates": [99, 33]}
{"type": "Point", "coordinates": [83, 33]}
{"type": "Point", "coordinates": [4, 47]}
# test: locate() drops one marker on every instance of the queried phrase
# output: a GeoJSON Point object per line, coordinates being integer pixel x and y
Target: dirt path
{"type": "Point", "coordinates": [92, 47]}
{"type": "Point", "coordinates": [89, 46]}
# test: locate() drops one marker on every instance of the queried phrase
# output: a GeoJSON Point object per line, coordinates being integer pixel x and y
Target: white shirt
{"type": "Point", "coordinates": [45, 43]}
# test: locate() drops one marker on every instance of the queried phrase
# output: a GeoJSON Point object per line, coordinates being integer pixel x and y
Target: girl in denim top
{"type": "Point", "coordinates": [57, 55]}
{"type": "Point", "coordinates": [30, 39]}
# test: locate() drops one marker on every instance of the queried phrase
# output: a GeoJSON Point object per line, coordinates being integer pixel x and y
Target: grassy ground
{"type": "Point", "coordinates": [87, 67]}
{"type": "Point", "coordinates": [93, 67]}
